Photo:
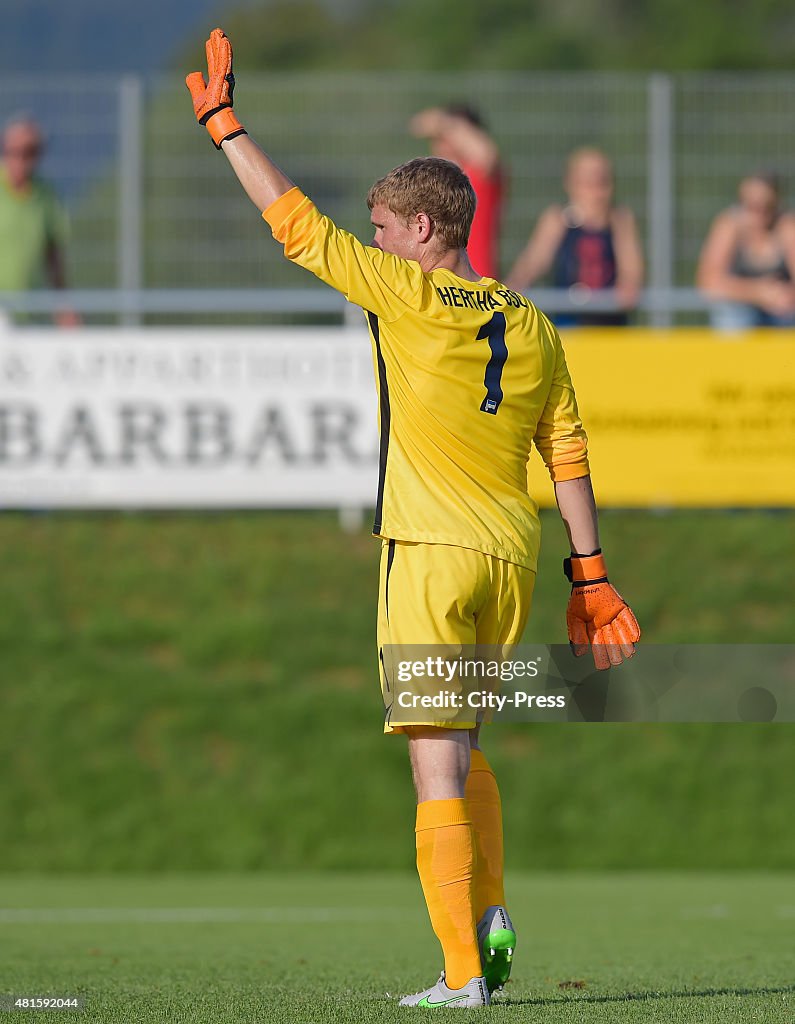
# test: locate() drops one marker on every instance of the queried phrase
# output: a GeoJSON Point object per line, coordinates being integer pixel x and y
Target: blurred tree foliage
{"type": "Point", "coordinates": [667, 35]}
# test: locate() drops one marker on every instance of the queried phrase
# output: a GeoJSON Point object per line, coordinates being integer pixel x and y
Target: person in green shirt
{"type": "Point", "coordinates": [33, 224]}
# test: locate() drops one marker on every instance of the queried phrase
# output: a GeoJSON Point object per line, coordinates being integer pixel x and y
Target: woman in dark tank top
{"type": "Point", "coordinates": [747, 263]}
{"type": "Point", "coordinates": [586, 258]}
{"type": "Point", "coordinates": [589, 245]}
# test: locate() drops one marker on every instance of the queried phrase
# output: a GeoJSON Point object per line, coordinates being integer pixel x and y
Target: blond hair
{"type": "Point", "coordinates": [430, 185]}
{"type": "Point", "coordinates": [587, 153]}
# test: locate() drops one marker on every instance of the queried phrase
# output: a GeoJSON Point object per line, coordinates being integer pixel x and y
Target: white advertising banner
{"type": "Point", "coordinates": [267, 418]}
{"type": "Point", "coordinates": [174, 418]}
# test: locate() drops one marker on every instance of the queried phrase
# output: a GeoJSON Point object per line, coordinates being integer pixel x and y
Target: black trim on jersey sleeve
{"type": "Point", "coordinates": [383, 391]}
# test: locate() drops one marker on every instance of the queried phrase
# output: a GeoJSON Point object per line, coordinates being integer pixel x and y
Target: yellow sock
{"type": "Point", "coordinates": [445, 862]}
{"type": "Point", "coordinates": [485, 809]}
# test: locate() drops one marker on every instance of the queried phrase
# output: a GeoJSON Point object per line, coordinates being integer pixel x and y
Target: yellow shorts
{"type": "Point", "coordinates": [444, 598]}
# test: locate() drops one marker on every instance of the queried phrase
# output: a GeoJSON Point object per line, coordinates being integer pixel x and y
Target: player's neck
{"type": "Point", "coordinates": [455, 260]}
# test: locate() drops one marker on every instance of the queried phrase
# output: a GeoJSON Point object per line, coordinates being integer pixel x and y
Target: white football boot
{"type": "Point", "coordinates": [475, 993]}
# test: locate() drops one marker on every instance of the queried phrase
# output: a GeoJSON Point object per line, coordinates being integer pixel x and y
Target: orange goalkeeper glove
{"type": "Point", "coordinates": [212, 100]}
{"type": "Point", "coordinates": [597, 615]}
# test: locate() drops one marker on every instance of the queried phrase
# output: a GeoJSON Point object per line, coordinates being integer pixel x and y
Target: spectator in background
{"type": "Point", "coordinates": [32, 222]}
{"type": "Point", "coordinates": [589, 244]}
{"type": "Point", "coordinates": [457, 133]}
{"type": "Point", "coordinates": [747, 263]}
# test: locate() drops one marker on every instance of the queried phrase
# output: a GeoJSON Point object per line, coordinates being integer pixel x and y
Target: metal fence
{"type": "Point", "coordinates": [157, 217]}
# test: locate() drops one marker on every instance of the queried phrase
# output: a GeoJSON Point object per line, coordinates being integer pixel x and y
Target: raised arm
{"type": "Point", "coordinates": [377, 281]}
{"type": "Point", "coordinates": [468, 142]}
{"type": "Point", "coordinates": [212, 103]}
{"type": "Point", "coordinates": [262, 180]}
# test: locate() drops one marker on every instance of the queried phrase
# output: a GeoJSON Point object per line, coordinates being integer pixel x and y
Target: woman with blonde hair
{"type": "Point", "coordinates": [588, 245]}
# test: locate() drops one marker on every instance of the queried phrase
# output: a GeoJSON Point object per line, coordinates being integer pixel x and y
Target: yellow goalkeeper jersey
{"type": "Point", "coordinates": [469, 376]}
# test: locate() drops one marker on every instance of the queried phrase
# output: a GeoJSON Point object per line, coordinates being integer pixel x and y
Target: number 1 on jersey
{"type": "Point", "coordinates": [494, 330]}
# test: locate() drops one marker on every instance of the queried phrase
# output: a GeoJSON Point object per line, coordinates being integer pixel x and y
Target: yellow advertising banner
{"type": "Point", "coordinates": [683, 417]}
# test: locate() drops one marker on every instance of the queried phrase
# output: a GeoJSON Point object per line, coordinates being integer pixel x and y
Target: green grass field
{"type": "Point", "coordinates": [190, 724]}
{"type": "Point", "coordinates": [199, 692]}
{"type": "Point", "coordinates": [310, 949]}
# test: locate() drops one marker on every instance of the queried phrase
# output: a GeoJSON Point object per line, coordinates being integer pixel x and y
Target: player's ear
{"type": "Point", "coordinates": [424, 226]}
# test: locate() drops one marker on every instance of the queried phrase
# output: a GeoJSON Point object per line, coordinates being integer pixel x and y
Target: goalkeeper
{"type": "Point", "coordinates": [469, 375]}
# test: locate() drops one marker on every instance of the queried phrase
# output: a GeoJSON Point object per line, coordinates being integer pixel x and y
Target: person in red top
{"type": "Point", "coordinates": [457, 133]}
